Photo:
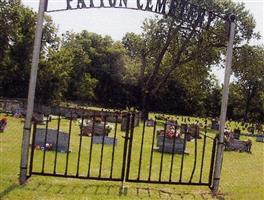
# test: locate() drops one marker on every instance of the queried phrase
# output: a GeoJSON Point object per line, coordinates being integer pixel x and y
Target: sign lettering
{"type": "Point", "coordinates": [178, 9]}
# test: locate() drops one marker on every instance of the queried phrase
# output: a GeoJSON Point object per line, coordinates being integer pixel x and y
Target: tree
{"type": "Point", "coordinates": [166, 44]}
{"type": "Point", "coordinates": [17, 28]}
{"type": "Point", "coordinates": [99, 61]}
{"type": "Point", "coordinates": [55, 71]}
{"type": "Point", "coordinates": [248, 68]}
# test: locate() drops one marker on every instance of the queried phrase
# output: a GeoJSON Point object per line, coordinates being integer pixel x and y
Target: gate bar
{"type": "Point", "coordinates": [32, 149]}
{"type": "Point", "coordinates": [102, 150]}
{"type": "Point", "coordinates": [130, 145]}
{"type": "Point", "coordinates": [128, 124]}
{"type": "Point", "coordinates": [162, 153]}
{"type": "Point", "coordinates": [68, 147]}
{"type": "Point", "coordinates": [57, 142]}
{"type": "Point", "coordinates": [173, 154]}
{"type": "Point", "coordinates": [141, 149]}
{"type": "Point", "coordinates": [113, 149]}
{"type": "Point", "coordinates": [45, 141]}
{"type": "Point", "coordinates": [80, 146]}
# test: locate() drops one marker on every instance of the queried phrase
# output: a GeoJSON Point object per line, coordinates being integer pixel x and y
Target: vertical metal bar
{"type": "Point", "coordinates": [152, 150]}
{"type": "Point", "coordinates": [162, 153]}
{"type": "Point", "coordinates": [102, 149]}
{"type": "Point", "coordinates": [113, 150]}
{"type": "Point", "coordinates": [125, 149]}
{"type": "Point", "coordinates": [130, 145]}
{"type": "Point", "coordinates": [182, 159]}
{"type": "Point", "coordinates": [172, 156]}
{"type": "Point", "coordinates": [203, 153]}
{"type": "Point", "coordinates": [68, 147]}
{"type": "Point", "coordinates": [80, 148]}
{"type": "Point", "coordinates": [195, 159]}
{"type": "Point", "coordinates": [31, 93]}
{"type": "Point", "coordinates": [91, 147]}
{"type": "Point", "coordinates": [212, 162]}
{"type": "Point", "coordinates": [56, 147]}
{"type": "Point", "coordinates": [46, 5]}
{"type": "Point", "coordinates": [32, 149]}
{"type": "Point", "coordinates": [141, 150]}
{"type": "Point", "coordinates": [45, 141]}
{"type": "Point", "coordinates": [220, 146]}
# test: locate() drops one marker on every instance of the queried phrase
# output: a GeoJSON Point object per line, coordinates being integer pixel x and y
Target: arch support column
{"type": "Point", "coordinates": [220, 145]}
{"type": "Point", "coordinates": [31, 92]}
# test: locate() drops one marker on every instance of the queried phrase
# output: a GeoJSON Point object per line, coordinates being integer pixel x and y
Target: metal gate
{"type": "Point", "coordinates": [117, 147]}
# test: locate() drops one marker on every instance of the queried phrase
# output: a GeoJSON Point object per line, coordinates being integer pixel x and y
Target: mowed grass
{"type": "Point", "coordinates": [242, 173]}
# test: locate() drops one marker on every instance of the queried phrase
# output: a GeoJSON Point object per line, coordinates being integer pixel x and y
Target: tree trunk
{"type": "Point", "coordinates": [144, 106]}
{"type": "Point", "coordinates": [246, 110]}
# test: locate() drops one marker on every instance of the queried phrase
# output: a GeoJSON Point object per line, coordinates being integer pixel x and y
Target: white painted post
{"type": "Point", "coordinates": [220, 146]}
{"type": "Point", "coordinates": [31, 93]}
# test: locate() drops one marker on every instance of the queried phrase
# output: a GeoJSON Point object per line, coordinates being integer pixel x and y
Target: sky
{"type": "Point", "coordinates": [117, 22]}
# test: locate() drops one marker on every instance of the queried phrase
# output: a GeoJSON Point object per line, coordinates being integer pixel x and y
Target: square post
{"type": "Point", "coordinates": [31, 92]}
{"type": "Point", "coordinates": [220, 145]}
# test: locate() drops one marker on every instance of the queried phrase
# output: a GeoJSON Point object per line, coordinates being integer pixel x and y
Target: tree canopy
{"type": "Point", "coordinates": [166, 68]}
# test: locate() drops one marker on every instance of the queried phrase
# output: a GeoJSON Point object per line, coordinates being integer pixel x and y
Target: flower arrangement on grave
{"type": "Point", "coordinates": [171, 132]}
{"type": "Point", "coordinates": [46, 147]}
{"type": "Point", "coordinates": [108, 128]}
{"type": "Point", "coordinates": [3, 123]}
{"type": "Point", "coordinates": [98, 120]}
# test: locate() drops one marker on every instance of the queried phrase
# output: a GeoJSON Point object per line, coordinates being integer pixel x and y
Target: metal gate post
{"type": "Point", "coordinates": [31, 92]}
{"type": "Point", "coordinates": [220, 146]}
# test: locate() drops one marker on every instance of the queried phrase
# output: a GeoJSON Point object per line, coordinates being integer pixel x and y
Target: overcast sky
{"type": "Point", "coordinates": [116, 22]}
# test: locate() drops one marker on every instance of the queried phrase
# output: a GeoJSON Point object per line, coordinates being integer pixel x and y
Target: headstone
{"type": "Point", "coordinates": [63, 139]}
{"type": "Point", "coordinates": [124, 123]}
{"type": "Point", "coordinates": [260, 138]}
{"type": "Point", "coordinates": [169, 123]}
{"type": "Point", "coordinates": [215, 124]}
{"type": "Point", "coordinates": [137, 119]}
{"type": "Point", "coordinates": [38, 118]}
{"type": "Point", "coordinates": [184, 128]}
{"type": "Point", "coordinates": [3, 123]}
{"type": "Point", "coordinates": [237, 145]}
{"type": "Point", "coordinates": [150, 123]}
{"type": "Point", "coordinates": [237, 134]}
{"type": "Point", "coordinates": [94, 129]}
{"type": "Point", "coordinates": [179, 146]}
{"type": "Point", "coordinates": [194, 130]}
{"type": "Point", "coordinates": [106, 139]}
{"type": "Point", "coordinates": [251, 129]}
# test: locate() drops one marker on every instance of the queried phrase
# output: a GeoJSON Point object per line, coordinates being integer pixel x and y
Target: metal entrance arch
{"type": "Point", "coordinates": [177, 9]}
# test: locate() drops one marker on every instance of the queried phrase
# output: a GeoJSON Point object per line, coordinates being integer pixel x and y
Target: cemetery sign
{"type": "Point", "coordinates": [181, 10]}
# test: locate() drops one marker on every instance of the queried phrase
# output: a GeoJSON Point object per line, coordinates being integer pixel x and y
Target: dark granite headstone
{"type": "Point", "coordinates": [260, 138]}
{"type": "Point", "coordinates": [106, 139]}
{"type": "Point", "coordinates": [150, 123]}
{"type": "Point", "coordinates": [168, 144]}
{"type": "Point", "coordinates": [95, 129]}
{"type": "Point", "coordinates": [124, 123]}
{"type": "Point", "coordinates": [215, 125]}
{"type": "Point", "coordinates": [237, 145]}
{"type": "Point", "coordinates": [251, 129]}
{"type": "Point", "coordinates": [171, 124]}
{"type": "Point", "coordinates": [63, 139]}
{"type": "Point", "coordinates": [236, 134]}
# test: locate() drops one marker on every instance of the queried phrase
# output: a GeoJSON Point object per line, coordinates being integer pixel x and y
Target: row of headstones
{"type": "Point", "coordinates": [250, 128]}
{"type": "Point", "coordinates": [18, 107]}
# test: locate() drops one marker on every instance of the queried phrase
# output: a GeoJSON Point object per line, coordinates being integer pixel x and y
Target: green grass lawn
{"type": "Point", "coordinates": [242, 173]}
